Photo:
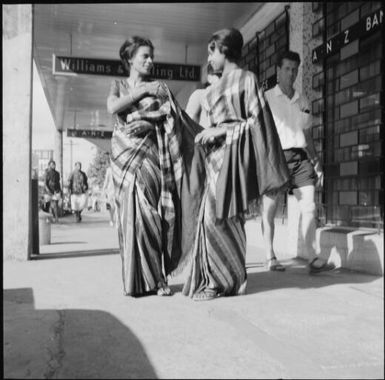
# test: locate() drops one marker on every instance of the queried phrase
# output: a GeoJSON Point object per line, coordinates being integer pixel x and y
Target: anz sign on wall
{"type": "Point", "coordinates": [365, 26]}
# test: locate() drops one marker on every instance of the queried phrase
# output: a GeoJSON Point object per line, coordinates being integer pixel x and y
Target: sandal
{"type": "Point", "coordinates": [323, 268]}
{"type": "Point", "coordinates": [274, 265]}
{"type": "Point", "coordinates": [164, 291]}
{"type": "Point", "coordinates": [205, 295]}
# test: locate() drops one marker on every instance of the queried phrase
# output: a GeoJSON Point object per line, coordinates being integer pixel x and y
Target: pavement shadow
{"type": "Point", "coordinates": [68, 343]}
{"type": "Point", "coordinates": [354, 250]}
{"type": "Point", "coordinates": [67, 242]}
{"type": "Point", "coordinates": [71, 254]}
{"type": "Point", "coordinates": [297, 276]}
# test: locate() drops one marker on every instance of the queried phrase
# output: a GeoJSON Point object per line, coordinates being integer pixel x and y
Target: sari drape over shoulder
{"type": "Point", "coordinates": [238, 169]}
{"type": "Point", "coordinates": [148, 173]}
{"type": "Point", "coordinates": [254, 163]}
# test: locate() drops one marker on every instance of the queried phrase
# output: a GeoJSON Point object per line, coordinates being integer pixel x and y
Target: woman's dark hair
{"type": "Point", "coordinates": [129, 48]}
{"type": "Point", "coordinates": [229, 42]}
{"type": "Point", "coordinates": [290, 55]}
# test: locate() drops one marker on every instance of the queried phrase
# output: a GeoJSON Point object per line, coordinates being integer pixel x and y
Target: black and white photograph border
{"type": "Point", "coordinates": [92, 285]}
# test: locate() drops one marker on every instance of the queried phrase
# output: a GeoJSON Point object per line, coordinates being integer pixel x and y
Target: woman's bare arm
{"type": "Point", "coordinates": [116, 104]}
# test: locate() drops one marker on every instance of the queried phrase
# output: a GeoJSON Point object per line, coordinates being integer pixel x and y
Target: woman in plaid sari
{"type": "Point", "coordinates": [244, 160]}
{"type": "Point", "coordinates": [147, 168]}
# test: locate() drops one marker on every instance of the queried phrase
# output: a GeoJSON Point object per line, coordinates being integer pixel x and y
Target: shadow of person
{"type": "Point", "coordinates": [297, 276]}
{"type": "Point", "coordinates": [353, 249]}
{"type": "Point", "coordinates": [68, 343]}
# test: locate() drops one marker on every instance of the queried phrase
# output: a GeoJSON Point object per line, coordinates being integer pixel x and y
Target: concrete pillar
{"type": "Point", "coordinates": [58, 153]}
{"type": "Point", "coordinates": [60, 106]}
{"type": "Point", "coordinates": [17, 130]}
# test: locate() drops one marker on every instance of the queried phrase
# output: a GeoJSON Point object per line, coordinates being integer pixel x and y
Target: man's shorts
{"type": "Point", "coordinates": [300, 168]}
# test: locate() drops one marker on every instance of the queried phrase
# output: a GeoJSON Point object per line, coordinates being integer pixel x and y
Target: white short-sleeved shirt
{"type": "Point", "coordinates": [195, 102]}
{"type": "Point", "coordinates": [289, 116]}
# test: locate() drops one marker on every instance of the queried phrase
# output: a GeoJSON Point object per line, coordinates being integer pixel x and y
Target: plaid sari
{"type": "Point", "coordinates": [239, 168]}
{"type": "Point", "coordinates": [148, 174]}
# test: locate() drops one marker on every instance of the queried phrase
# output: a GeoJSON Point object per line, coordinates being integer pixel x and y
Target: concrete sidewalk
{"type": "Point", "coordinates": [65, 317]}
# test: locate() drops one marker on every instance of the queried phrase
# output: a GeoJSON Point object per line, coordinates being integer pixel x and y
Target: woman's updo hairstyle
{"type": "Point", "coordinates": [129, 48]}
{"type": "Point", "coordinates": [229, 43]}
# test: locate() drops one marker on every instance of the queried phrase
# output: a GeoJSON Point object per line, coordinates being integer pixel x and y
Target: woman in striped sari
{"type": "Point", "coordinates": [244, 160]}
{"type": "Point", "coordinates": [147, 168]}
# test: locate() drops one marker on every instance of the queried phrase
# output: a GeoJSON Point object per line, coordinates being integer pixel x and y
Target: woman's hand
{"type": "Point", "coordinates": [209, 135]}
{"type": "Point", "coordinates": [140, 128]}
{"type": "Point", "coordinates": [156, 89]}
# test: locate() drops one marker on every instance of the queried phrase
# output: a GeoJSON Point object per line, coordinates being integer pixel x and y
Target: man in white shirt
{"type": "Point", "coordinates": [292, 118]}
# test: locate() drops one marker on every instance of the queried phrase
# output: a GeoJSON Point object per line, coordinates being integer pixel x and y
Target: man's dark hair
{"type": "Point", "coordinates": [290, 55]}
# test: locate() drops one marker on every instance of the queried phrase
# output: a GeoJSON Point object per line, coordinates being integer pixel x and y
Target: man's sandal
{"type": "Point", "coordinates": [274, 265]}
{"type": "Point", "coordinates": [323, 268]}
{"type": "Point", "coordinates": [205, 295]}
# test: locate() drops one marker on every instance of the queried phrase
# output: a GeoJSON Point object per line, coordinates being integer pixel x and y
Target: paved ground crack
{"type": "Point", "coordinates": [56, 351]}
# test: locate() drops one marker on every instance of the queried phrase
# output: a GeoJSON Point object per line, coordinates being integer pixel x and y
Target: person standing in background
{"type": "Point", "coordinates": [292, 118]}
{"type": "Point", "coordinates": [77, 187]}
{"type": "Point", "coordinates": [53, 189]}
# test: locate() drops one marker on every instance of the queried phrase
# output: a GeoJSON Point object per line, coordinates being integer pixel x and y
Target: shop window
{"type": "Point", "coordinates": [348, 168]}
{"type": "Point", "coordinates": [348, 139]}
{"type": "Point", "coordinates": [369, 134]}
{"type": "Point", "coordinates": [349, 109]}
{"type": "Point", "coordinates": [370, 167]}
{"type": "Point", "coordinates": [317, 6]}
{"type": "Point", "coordinates": [349, 50]}
{"type": "Point", "coordinates": [352, 118]}
{"type": "Point", "coordinates": [270, 42]}
{"type": "Point", "coordinates": [342, 126]}
{"type": "Point", "coordinates": [350, 79]}
{"type": "Point", "coordinates": [369, 101]}
{"type": "Point", "coordinates": [370, 70]}
{"type": "Point", "coordinates": [348, 198]}
{"type": "Point", "coordinates": [362, 150]}
{"type": "Point", "coordinates": [318, 106]}
{"type": "Point", "coordinates": [318, 80]}
{"type": "Point", "coordinates": [369, 7]}
{"type": "Point", "coordinates": [365, 183]}
{"type": "Point", "coordinates": [350, 19]}
{"type": "Point", "coordinates": [342, 97]}
{"type": "Point", "coordinates": [332, 30]}
{"type": "Point", "coordinates": [318, 131]}
{"type": "Point", "coordinates": [318, 28]}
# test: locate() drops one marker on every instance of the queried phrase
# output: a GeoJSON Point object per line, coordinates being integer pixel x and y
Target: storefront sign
{"type": "Point", "coordinates": [89, 133]}
{"type": "Point", "coordinates": [91, 66]}
{"type": "Point", "coordinates": [367, 25]}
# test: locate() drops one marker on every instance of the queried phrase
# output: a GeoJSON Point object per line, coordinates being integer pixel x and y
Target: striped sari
{"type": "Point", "coordinates": [147, 172]}
{"type": "Point", "coordinates": [239, 168]}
